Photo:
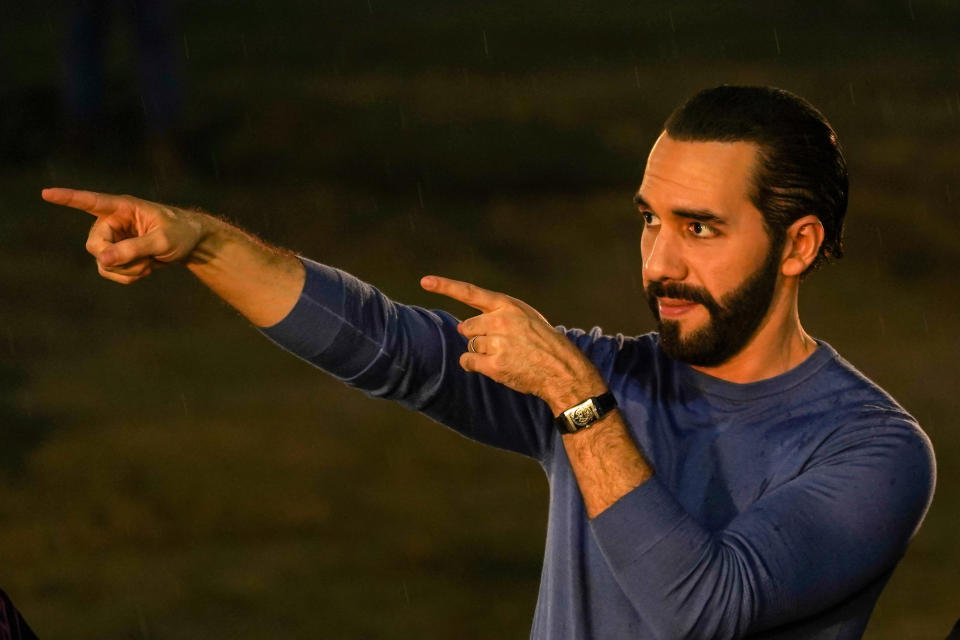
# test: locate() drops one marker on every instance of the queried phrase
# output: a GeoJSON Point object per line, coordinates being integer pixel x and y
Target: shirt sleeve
{"type": "Point", "coordinates": [814, 541]}
{"type": "Point", "coordinates": [408, 354]}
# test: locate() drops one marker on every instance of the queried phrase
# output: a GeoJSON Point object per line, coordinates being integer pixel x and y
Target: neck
{"type": "Point", "coordinates": [778, 345]}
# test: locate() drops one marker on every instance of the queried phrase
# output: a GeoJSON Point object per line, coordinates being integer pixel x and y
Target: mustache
{"type": "Point", "coordinates": [681, 291]}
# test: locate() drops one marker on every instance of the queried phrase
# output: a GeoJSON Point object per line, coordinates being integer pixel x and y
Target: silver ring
{"type": "Point", "coordinates": [472, 345]}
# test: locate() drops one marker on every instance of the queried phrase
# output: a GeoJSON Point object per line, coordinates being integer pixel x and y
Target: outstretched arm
{"type": "Point", "coordinates": [131, 237]}
{"type": "Point", "coordinates": [323, 315]}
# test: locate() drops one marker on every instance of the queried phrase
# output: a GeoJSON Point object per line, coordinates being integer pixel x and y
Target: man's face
{"type": "Point", "coordinates": [709, 270]}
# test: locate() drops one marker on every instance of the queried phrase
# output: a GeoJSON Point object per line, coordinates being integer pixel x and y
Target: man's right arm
{"type": "Point", "coordinates": [131, 237]}
{"type": "Point", "coordinates": [260, 281]}
{"type": "Point", "coordinates": [321, 314]}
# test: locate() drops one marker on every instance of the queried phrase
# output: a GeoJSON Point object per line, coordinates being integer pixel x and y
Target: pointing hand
{"type": "Point", "coordinates": [511, 343]}
{"type": "Point", "coordinates": [131, 236]}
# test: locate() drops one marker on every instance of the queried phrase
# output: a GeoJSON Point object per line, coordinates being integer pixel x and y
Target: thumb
{"type": "Point", "coordinates": [126, 251]}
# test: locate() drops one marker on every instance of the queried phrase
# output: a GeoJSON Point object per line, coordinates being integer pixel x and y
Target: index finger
{"type": "Point", "coordinates": [470, 294]}
{"type": "Point", "coordinates": [99, 204]}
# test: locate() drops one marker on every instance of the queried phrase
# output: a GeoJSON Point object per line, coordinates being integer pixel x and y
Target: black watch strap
{"type": "Point", "coordinates": [586, 413]}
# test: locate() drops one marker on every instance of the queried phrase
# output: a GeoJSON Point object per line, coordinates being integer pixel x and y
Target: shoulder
{"type": "Point", "coordinates": [870, 428]}
{"type": "Point", "coordinates": [606, 349]}
{"type": "Point", "coordinates": [860, 403]}
{"type": "Point", "coordinates": [830, 387]}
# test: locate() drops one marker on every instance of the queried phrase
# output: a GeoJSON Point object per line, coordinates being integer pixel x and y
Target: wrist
{"type": "Point", "coordinates": [576, 388]}
{"type": "Point", "coordinates": [585, 414]}
{"type": "Point", "coordinates": [209, 232]}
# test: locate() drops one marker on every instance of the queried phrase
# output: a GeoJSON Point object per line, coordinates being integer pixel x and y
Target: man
{"type": "Point", "coordinates": [728, 476]}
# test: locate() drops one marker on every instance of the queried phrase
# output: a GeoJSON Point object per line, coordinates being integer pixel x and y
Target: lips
{"type": "Point", "coordinates": [674, 308]}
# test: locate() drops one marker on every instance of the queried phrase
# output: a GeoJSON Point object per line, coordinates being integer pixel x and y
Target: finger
{"type": "Point", "coordinates": [132, 249]}
{"type": "Point", "coordinates": [99, 204]}
{"type": "Point", "coordinates": [474, 345]}
{"type": "Point", "coordinates": [116, 277]}
{"type": "Point", "coordinates": [121, 224]}
{"type": "Point", "coordinates": [137, 268]}
{"type": "Point", "coordinates": [472, 362]}
{"type": "Point", "coordinates": [100, 237]}
{"type": "Point", "coordinates": [465, 292]}
{"type": "Point", "coordinates": [499, 322]}
{"type": "Point", "coordinates": [474, 326]}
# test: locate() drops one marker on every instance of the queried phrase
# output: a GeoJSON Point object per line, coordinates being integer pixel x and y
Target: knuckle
{"type": "Point", "coordinates": [163, 241]}
{"type": "Point", "coordinates": [516, 312]}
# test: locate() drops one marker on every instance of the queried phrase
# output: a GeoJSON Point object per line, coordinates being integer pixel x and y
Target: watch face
{"type": "Point", "coordinates": [583, 416]}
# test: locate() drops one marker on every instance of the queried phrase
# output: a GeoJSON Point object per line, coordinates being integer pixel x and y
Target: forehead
{"type": "Point", "coordinates": [699, 175]}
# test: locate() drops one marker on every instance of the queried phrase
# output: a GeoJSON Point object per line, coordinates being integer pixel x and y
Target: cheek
{"type": "Point", "coordinates": [726, 271]}
{"type": "Point", "coordinates": [646, 246]}
{"type": "Point", "coordinates": [718, 277]}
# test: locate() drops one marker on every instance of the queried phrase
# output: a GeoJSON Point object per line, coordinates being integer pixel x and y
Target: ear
{"type": "Point", "coordinates": [801, 245]}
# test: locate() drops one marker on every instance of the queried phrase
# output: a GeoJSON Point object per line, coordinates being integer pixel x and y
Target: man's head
{"type": "Point", "coordinates": [745, 185]}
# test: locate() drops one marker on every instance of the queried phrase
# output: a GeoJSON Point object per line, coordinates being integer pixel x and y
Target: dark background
{"type": "Point", "coordinates": [165, 472]}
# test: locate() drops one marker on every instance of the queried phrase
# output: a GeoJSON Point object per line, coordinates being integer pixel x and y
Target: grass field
{"type": "Point", "coordinates": [167, 473]}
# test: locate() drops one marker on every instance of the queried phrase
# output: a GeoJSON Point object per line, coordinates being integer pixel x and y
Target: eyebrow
{"type": "Point", "coordinates": [700, 215]}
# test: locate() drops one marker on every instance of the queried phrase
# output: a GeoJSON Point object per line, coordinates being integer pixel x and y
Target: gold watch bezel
{"type": "Point", "coordinates": [581, 416]}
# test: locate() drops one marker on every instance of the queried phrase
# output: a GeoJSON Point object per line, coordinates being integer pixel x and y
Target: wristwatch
{"type": "Point", "coordinates": [586, 413]}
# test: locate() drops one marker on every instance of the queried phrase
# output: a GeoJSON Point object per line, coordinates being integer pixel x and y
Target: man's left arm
{"type": "Point", "coordinates": [799, 549]}
{"type": "Point", "coordinates": [516, 346]}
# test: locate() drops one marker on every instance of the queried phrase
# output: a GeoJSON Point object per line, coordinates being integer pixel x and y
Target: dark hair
{"type": "Point", "coordinates": [800, 169]}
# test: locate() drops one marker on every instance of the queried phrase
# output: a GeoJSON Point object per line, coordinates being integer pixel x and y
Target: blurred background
{"type": "Point", "coordinates": [165, 472]}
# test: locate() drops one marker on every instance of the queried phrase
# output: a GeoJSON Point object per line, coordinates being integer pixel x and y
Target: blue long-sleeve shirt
{"type": "Point", "coordinates": [778, 509]}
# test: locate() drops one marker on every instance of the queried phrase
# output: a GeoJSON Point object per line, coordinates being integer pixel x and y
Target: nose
{"type": "Point", "coordinates": [663, 257]}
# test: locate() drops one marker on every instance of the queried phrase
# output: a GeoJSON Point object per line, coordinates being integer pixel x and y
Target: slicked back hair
{"type": "Point", "coordinates": [800, 170]}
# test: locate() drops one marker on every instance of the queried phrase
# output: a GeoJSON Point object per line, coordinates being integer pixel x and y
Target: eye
{"type": "Point", "coordinates": [702, 230]}
{"type": "Point", "coordinates": [650, 219]}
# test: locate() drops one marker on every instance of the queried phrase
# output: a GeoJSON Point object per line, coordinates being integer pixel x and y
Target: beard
{"type": "Point", "coordinates": [733, 321]}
